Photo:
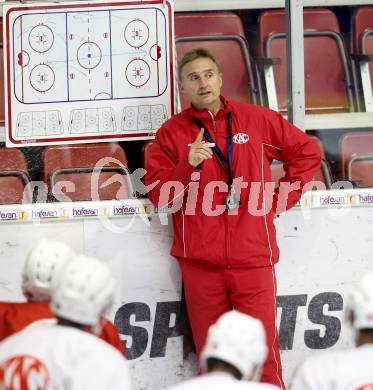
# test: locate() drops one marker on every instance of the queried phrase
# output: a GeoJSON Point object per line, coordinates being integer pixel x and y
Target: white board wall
{"type": "Point", "coordinates": [321, 256]}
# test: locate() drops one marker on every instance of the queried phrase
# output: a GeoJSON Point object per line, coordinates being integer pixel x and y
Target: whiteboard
{"type": "Point", "coordinates": [87, 72]}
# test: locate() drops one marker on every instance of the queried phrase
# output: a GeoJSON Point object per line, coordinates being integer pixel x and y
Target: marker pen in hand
{"type": "Point", "coordinates": [208, 144]}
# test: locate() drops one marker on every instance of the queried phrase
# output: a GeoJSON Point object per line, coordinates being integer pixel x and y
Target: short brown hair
{"type": "Point", "coordinates": [193, 55]}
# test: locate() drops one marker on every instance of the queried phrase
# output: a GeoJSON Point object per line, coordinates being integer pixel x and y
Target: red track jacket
{"type": "Point", "coordinates": [203, 228]}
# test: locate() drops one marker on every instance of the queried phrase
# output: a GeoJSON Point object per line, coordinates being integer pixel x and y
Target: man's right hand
{"type": "Point", "coordinates": [199, 151]}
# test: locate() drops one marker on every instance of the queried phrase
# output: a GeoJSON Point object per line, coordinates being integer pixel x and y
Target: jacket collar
{"type": "Point", "coordinates": [205, 114]}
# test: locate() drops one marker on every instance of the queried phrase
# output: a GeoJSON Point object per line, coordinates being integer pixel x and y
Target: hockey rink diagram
{"type": "Point", "coordinates": [92, 120]}
{"type": "Point", "coordinates": [93, 55]}
{"type": "Point", "coordinates": [39, 123]}
{"type": "Point", "coordinates": [143, 117]}
{"type": "Point", "coordinates": [88, 71]}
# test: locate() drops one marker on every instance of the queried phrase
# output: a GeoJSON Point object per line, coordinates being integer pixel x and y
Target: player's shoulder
{"type": "Point", "coordinates": [35, 330]}
{"type": "Point", "coordinates": [323, 358]}
{"type": "Point", "coordinates": [327, 362]}
{"type": "Point", "coordinates": [316, 360]}
{"type": "Point", "coordinates": [66, 337]}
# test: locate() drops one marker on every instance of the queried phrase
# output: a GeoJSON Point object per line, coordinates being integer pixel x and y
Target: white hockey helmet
{"type": "Point", "coordinates": [84, 291]}
{"type": "Point", "coordinates": [360, 303]}
{"type": "Point", "coordinates": [44, 261]}
{"type": "Point", "coordinates": [238, 340]}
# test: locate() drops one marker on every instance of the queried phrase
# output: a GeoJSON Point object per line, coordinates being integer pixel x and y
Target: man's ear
{"type": "Point", "coordinates": [181, 87]}
{"type": "Point", "coordinates": [221, 79]}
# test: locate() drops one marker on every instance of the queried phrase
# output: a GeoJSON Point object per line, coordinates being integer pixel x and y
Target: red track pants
{"type": "Point", "coordinates": [211, 290]}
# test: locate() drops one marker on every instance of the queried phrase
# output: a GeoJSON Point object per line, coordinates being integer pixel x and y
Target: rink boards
{"type": "Point", "coordinates": [323, 251]}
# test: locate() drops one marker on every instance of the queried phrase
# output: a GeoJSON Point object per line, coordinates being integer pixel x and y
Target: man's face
{"type": "Point", "coordinates": [201, 82]}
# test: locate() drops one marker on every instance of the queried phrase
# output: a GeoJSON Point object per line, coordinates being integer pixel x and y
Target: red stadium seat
{"type": "Point", "coordinates": [360, 171]}
{"type": "Point", "coordinates": [357, 158]}
{"type": "Point", "coordinates": [362, 23]}
{"type": "Point", "coordinates": [220, 33]}
{"type": "Point", "coordinates": [363, 52]}
{"type": "Point", "coordinates": [14, 177]}
{"type": "Point", "coordinates": [145, 152]}
{"type": "Point", "coordinates": [327, 73]}
{"type": "Point", "coordinates": [207, 23]}
{"type": "Point", "coordinates": [77, 164]}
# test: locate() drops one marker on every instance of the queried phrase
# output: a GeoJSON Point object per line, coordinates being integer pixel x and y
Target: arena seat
{"type": "Point", "coordinates": [208, 23]}
{"type": "Point", "coordinates": [14, 177]}
{"type": "Point", "coordinates": [362, 21]}
{"type": "Point", "coordinates": [323, 174]}
{"type": "Point", "coordinates": [77, 164]}
{"type": "Point", "coordinates": [360, 171]}
{"type": "Point", "coordinates": [220, 33]}
{"type": "Point", "coordinates": [145, 152]}
{"type": "Point", "coordinates": [357, 158]}
{"type": "Point", "coordinates": [328, 82]}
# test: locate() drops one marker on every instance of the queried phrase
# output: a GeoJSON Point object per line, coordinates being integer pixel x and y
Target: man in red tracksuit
{"type": "Point", "coordinates": [211, 165]}
{"type": "Point", "coordinates": [41, 267]}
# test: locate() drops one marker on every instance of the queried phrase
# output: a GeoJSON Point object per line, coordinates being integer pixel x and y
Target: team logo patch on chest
{"type": "Point", "coordinates": [240, 138]}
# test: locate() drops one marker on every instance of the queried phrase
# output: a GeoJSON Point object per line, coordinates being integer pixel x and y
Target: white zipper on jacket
{"type": "Point", "coordinates": [213, 121]}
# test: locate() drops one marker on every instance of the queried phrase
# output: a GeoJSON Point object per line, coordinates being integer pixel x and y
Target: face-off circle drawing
{"type": "Point", "coordinates": [102, 95]}
{"type": "Point", "coordinates": [158, 111]}
{"type": "Point", "coordinates": [77, 126]}
{"type": "Point", "coordinates": [42, 78]}
{"type": "Point", "coordinates": [130, 117]}
{"type": "Point", "coordinates": [131, 112]}
{"type": "Point", "coordinates": [92, 120]}
{"type": "Point", "coordinates": [38, 123]}
{"type": "Point", "coordinates": [144, 117]}
{"type": "Point", "coordinates": [89, 55]}
{"type": "Point", "coordinates": [136, 33]}
{"type": "Point", "coordinates": [137, 72]}
{"type": "Point", "coordinates": [78, 116]}
{"type": "Point", "coordinates": [158, 121]}
{"type": "Point", "coordinates": [41, 38]}
{"type": "Point", "coordinates": [26, 118]}
{"type": "Point", "coordinates": [53, 117]}
{"type": "Point", "coordinates": [155, 52]}
{"type": "Point", "coordinates": [23, 58]}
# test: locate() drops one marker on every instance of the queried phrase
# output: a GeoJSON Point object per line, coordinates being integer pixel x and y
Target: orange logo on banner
{"type": "Point", "coordinates": [23, 373]}
{"type": "Point", "coordinates": [366, 387]}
